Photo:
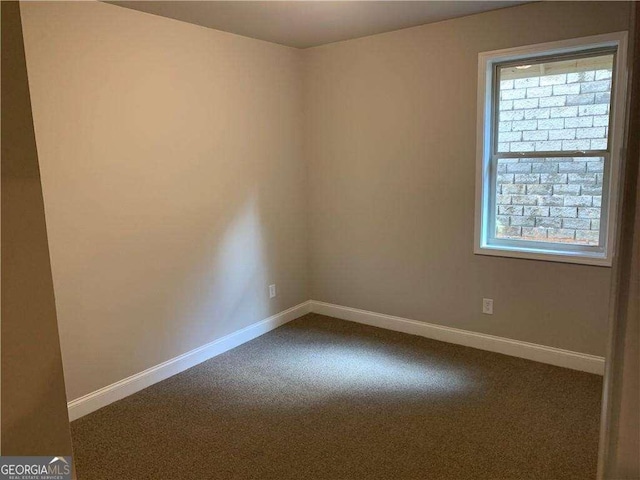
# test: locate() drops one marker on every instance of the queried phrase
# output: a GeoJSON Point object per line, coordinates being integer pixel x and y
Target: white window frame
{"type": "Point", "coordinates": [556, 252]}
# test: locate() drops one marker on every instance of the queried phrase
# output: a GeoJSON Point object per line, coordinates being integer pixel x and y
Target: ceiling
{"type": "Point", "coordinates": [304, 24]}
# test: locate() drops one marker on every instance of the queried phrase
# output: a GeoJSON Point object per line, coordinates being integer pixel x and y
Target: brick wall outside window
{"type": "Point", "coordinates": [554, 199]}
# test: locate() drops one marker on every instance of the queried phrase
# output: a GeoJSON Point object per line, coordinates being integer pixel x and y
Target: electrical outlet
{"type": "Point", "coordinates": [487, 306]}
{"type": "Point", "coordinates": [272, 291]}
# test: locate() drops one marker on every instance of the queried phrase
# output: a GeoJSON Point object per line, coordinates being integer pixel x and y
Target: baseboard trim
{"type": "Point", "coordinates": [516, 348]}
{"type": "Point", "coordinates": [123, 388]}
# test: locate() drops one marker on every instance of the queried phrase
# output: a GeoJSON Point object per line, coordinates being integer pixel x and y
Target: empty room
{"type": "Point", "coordinates": [335, 240]}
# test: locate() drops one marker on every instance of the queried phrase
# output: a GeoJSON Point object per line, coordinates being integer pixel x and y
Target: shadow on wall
{"type": "Point", "coordinates": [172, 179]}
{"type": "Point", "coordinates": [199, 279]}
{"type": "Point", "coordinates": [34, 410]}
{"type": "Point", "coordinates": [231, 268]}
{"type": "Point", "coordinates": [186, 290]}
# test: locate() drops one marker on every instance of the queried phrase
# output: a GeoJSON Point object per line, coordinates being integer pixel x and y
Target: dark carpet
{"type": "Point", "coordinates": [321, 398]}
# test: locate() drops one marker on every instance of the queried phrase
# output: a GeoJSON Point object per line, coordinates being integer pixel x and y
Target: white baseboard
{"type": "Point", "coordinates": [516, 348]}
{"type": "Point", "coordinates": [123, 388]}
{"type": "Point", "coordinates": [531, 351]}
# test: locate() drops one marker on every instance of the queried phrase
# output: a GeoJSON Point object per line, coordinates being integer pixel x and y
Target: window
{"type": "Point", "coordinates": [550, 126]}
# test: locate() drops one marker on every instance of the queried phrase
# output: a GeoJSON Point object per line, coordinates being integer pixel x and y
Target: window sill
{"type": "Point", "coordinates": [595, 259]}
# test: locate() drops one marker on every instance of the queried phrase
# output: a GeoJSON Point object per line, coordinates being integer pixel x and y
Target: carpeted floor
{"type": "Point", "coordinates": [321, 398]}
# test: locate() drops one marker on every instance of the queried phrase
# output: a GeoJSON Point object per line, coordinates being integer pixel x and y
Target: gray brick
{"type": "Point", "coordinates": [522, 146]}
{"type": "Point", "coordinates": [597, 201]}
{"type": "Point", "coordinates": [527, 178]}
{"type": "Point", "coordinates": [505, 105]}
{"type": "Point", "coordinates": [523, 221]}
{"type": "Point", "coordinates": [514, 189]}
{"type": "Point", "coordinates": [564, 134]}
{"type": "Point", "coordinates": [601, 121]}
{"type": "Point", "coordinates": [588, 212]}
{"type": "Point", "coordinates": [533, 160]}
{"type": "Point", "coordinates": [603, 97]}
{"type": "Point", "coordinates": [526, 82]}
{"type": "Point", "coordinates": [534, 232]}
{"type": "Point", "coordinates": [505, 178]}
{"type": "Point", "coordinates": [600, 109]}
{"type": "Point", "coordinates": [590, 236]}
{"type": "Point", "coordinates": [597, 86]}
{"type": "Point", "coordinates": [539, 189]}
{"type": "Point", "coordinates": [509, 136]}
{"type": "Point", "coordinates": [562, 233]}
{"type": "Point", "coordinates": [548, 222]}
{"type": "Point", "coordinates": [510, 209]}
{"type": "Point", "coordinates": [536, 211]}
{"type": "Point", "coordinates": [506, 84]}
{"type": "Point", "coordinates": [572, 167]}
{"type": "Point", "coordinates": [566, 189]}
{"type": "Point", "coordinates": [578, 201]}
{"type": "Point", "coordinates": [503, 199]}
{"type": "Point", "coordinates": [525, 103]}
{"type": "Point", "coordinates": [512, 115]}
{"type": "Point", "coordinates": [551, 200]}
{"type": "Point", "coordinates": [589, 76]}
{"type": "Point", "coordinates": [599, 144]}
{"type": "Point", "coordinates": [537, 113]}
{"type": "Point", "coordinates": [595, 167]}
{"type": "Point", "coordinates": [502, 168]}
{"type": "Point", "coordinates": [519, 168]}
{"type": "Point", "coordinates": [566, 89]}
{"type": "Point", "coordinates": [571, 145]}
{"type": "Point", "coordinates": [504, 126]}
{"type": "Point", "coordinates": [524, 125]}
{"type": "Point", "coordinates": [535, 135]}
{"type": "Point", "coordinates": [592, 189]}
{"type": "Point", "coordinates": [564, 212]}
{"type": "Point", "coordinates": [582, 99]}
{"type": "Point", "coordinates": [502, 220]}
{"type": "Point", "coordinates": [553, 178]}
{"type": "Point", "coordinates": [509, 160]}
{"type": "Point", "coordinates": [502, 231]}
{"type": "Point", "coordinates": [503, 147]}
{"type": "Point", "coordinates": [544, 168]}
{"type": "Point", "coordinates": [548, 146]}
{"type": "Point", "coordinates": [603, 74]}
{"type": "Point", "coordinates": [576, 223]}
{"type": "Point", "coordinates": [595, 224]}
{"type": "Point", "coordinates": [513, 94]}
{"type": "Point", "coordinates": [553, 79]}
{"type": "Point", "coordinates": [599, 178]}
{"type": "Point", "coordinates": [557, 112]}
{"type": "Point", "coordinates": [582, 178]}
{"type": "Point", "coordinates": [594, 132]}
{"type": "Point", "coordinates": [552, 124]}
{"type": "Point", "coordinates": [579, 122]}
{"type": "Point", "coordinates": [524, 200]}
{"type": "Point", "coordinates": [557, 101]}
{"type": "Point", "coordinates": [537, 92]}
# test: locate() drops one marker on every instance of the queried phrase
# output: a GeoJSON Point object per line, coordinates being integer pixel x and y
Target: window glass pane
{"type": "Point", "coordinates": [554, 199]}
{"type": "Point", "coordinates": [555, 106]}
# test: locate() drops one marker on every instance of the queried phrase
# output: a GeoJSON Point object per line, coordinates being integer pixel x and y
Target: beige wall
{"type": "Point", "coordinates": [34, 408]}
{"type": "Point", "coordinates": [175, 159]}
{"type": "Point", "coordinates": [391, 144]}
{"type": "Point", "coordinates": [173, 180]}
